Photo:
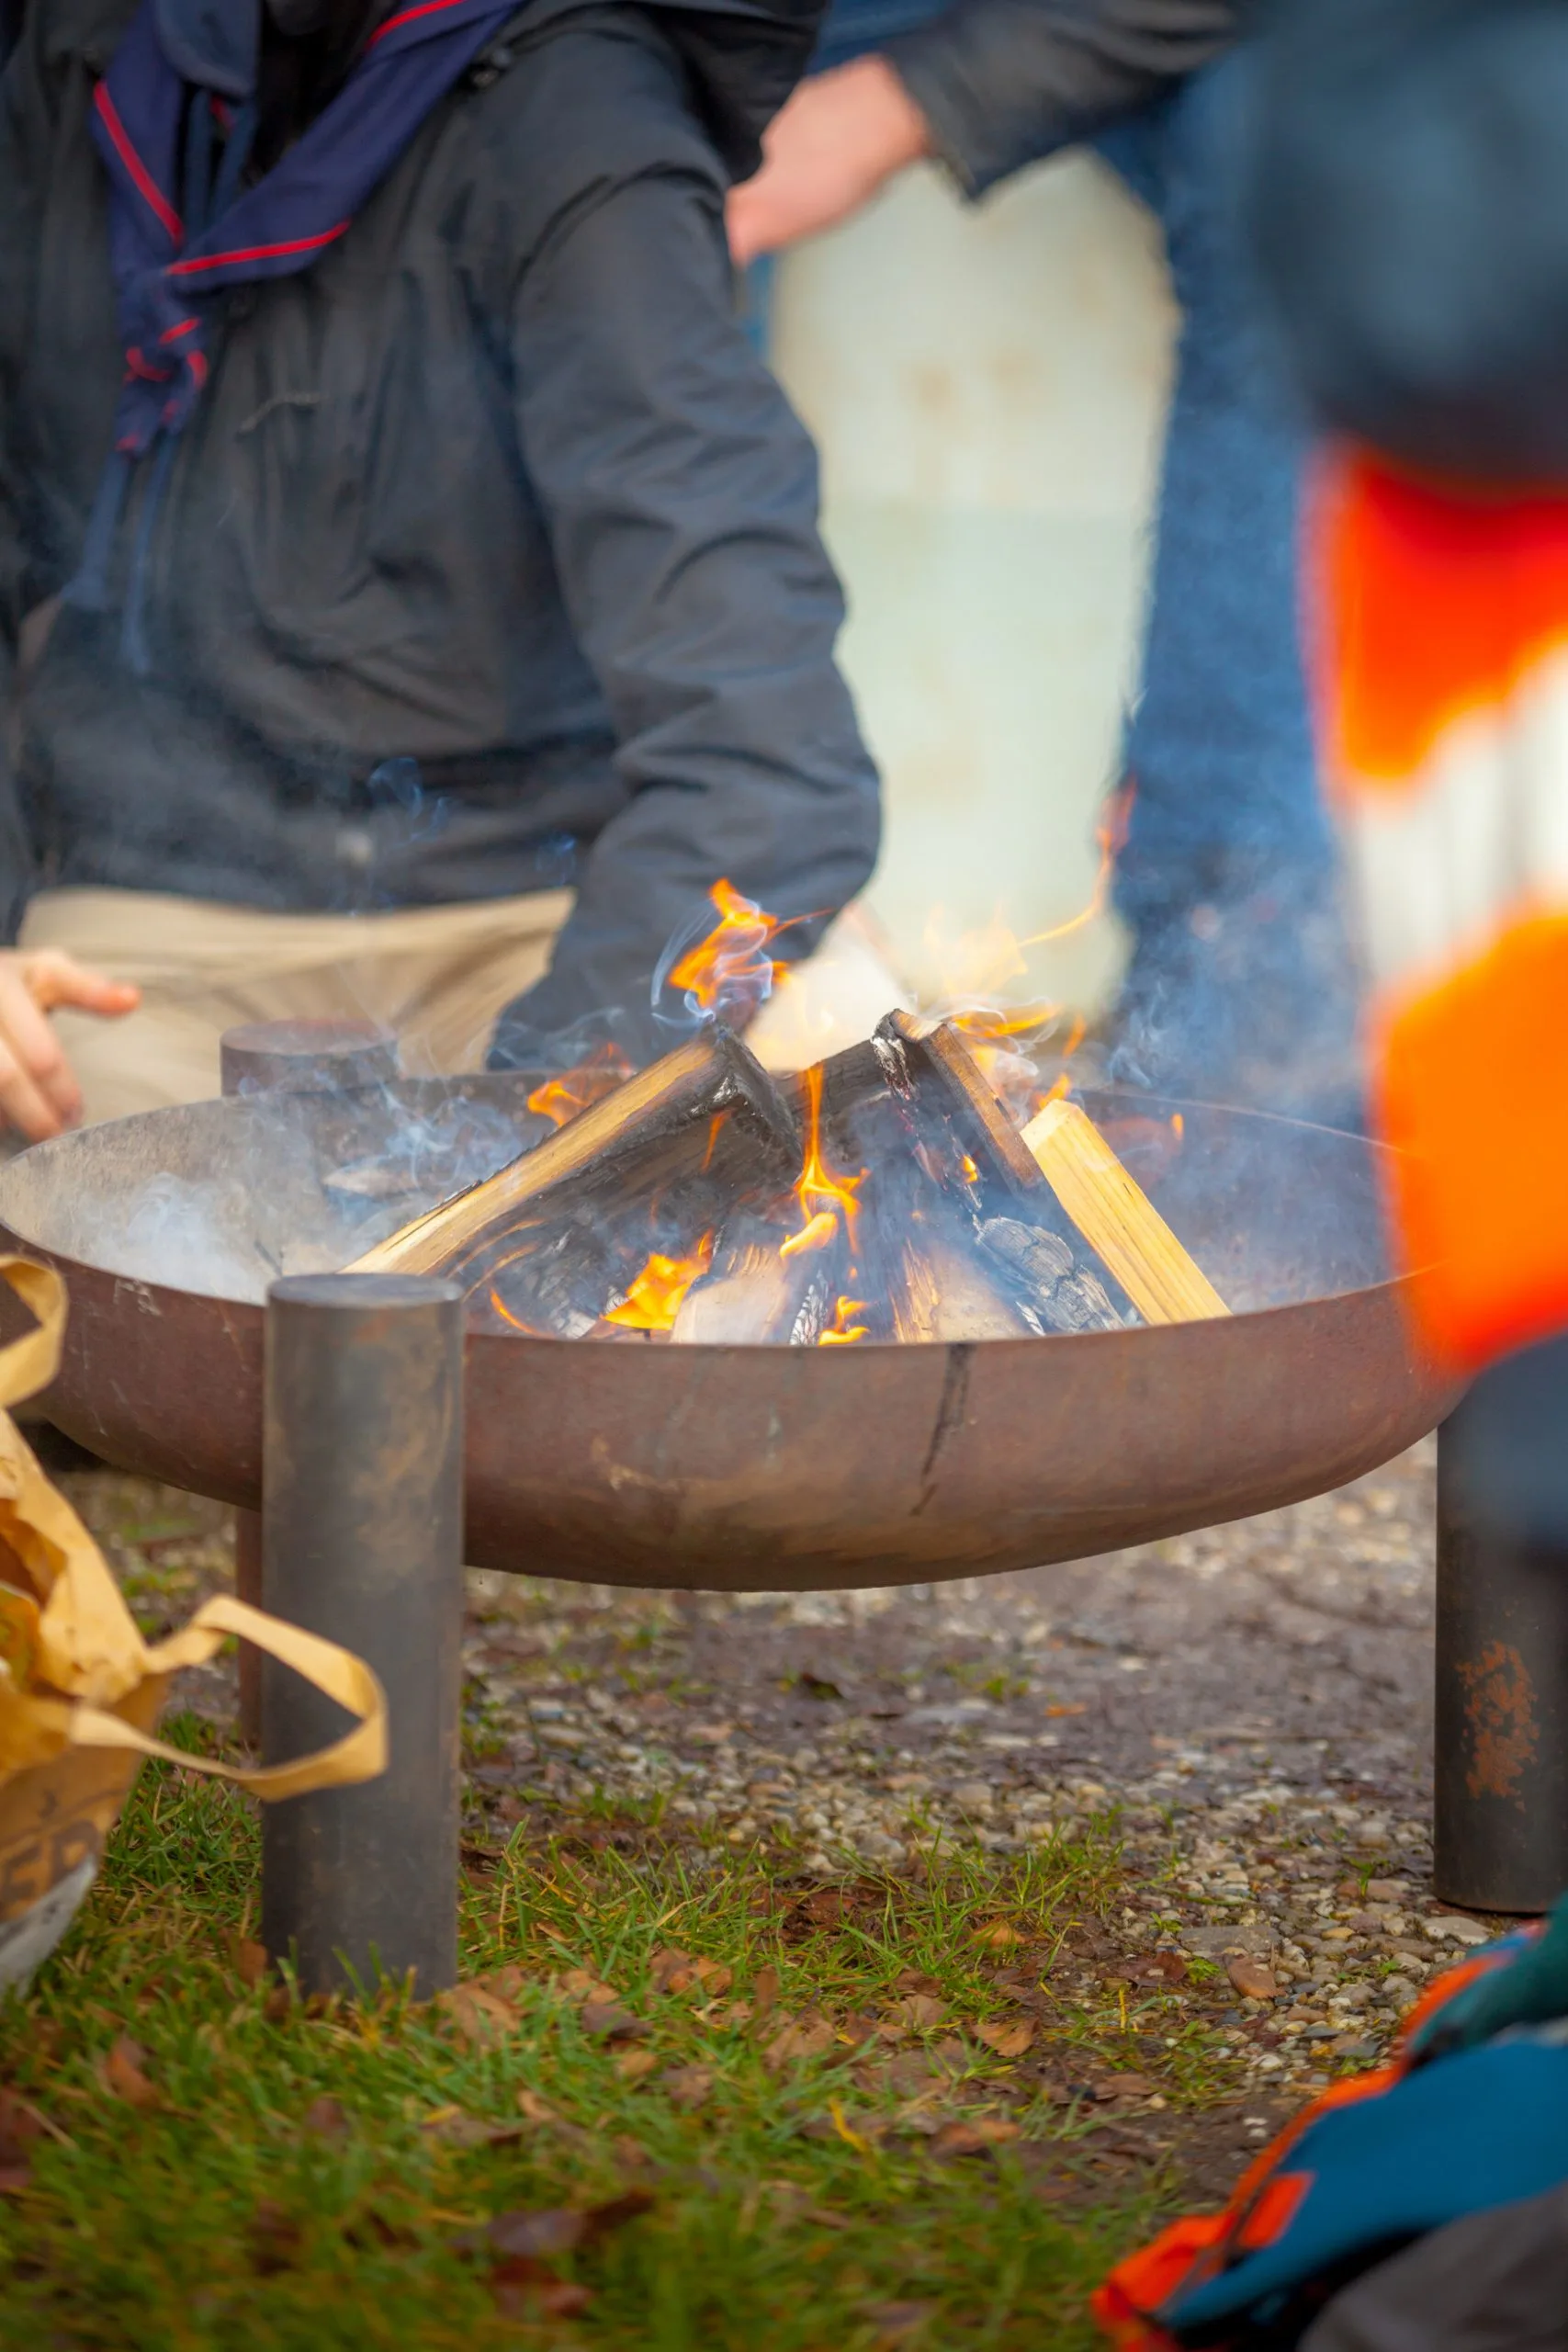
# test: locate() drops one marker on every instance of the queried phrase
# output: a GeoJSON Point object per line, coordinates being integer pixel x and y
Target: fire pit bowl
{"type": "Point", "coordinates": [745, 1468]}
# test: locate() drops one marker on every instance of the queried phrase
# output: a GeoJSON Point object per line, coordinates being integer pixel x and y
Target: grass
{"type": "Point", "coordinates": [762, 2154]}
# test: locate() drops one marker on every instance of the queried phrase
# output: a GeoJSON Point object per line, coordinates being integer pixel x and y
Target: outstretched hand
{"type": "Point", "coordinates": [828, 151]}
{"type": "Point", "coordinates": [39, 1092]}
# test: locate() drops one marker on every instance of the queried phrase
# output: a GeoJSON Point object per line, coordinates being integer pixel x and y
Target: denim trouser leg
{"type": "Point", "coordinates": [1240, 982]}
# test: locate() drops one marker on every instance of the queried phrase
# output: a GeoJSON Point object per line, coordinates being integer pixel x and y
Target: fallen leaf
{"type": "Point", "coordinates": [687, 2087]}
{"type": "Point", "coordinates": [125, 2074]}
{"type": "Point", "coordinates": [817, 1686]}
{"type": "Point", "coordinates": [607, 2021]}
{"type": "Point", "coordinates": [579, 1986]}
{"type": "Point", "coordinates": [1126, 2086]}
{"type": "Point", "coordinates": [548, 2298]}
{"type": "Point", "coordinates": [972, 2137]}
{"type": "Point", "coordinates": [249, 1960]}
{"type": "Point", "coordinates": [1068, 1707]}
{"type": "Point", "coordinates": [997, 1935]}
{"type": "Point", "coordinates": [21, 2128]}
{"type": "Point", "coordinates": [806, 2037]}
{"type": "Point", "coordinates": [327, 2118]}
{"type": "Point", "coordinates": [917, 2013]}
{"type": "Point", "coordinates": [1252, 1978]}
{"type": "Point", "coordinates": [275, 2238]}
{"type": "Point", "coordinates": [666, 1964]}
{"type": "Point", "coordinates": [915, 1980]}
{"type": "Point", "coordinates": [1008, 2037]}
{"type": "Point", "coordinates": [541, 2234]}
{"type": "Point", "coordinates": [461, 2131]}
{"type": "Point", "coordinates": [278, 2005]}
{"type": "Point", "coordinates": [896, 2322]}
{"type": "Point", "coordinates": [481, 2017]}
{"type": "Point", "coordinates": [858, 2029]}
{"type": "Point", "coordinates": [536, 2109]}
{"type": "Point", "coordinates": [714, 1977]}
{"type": "Point", "coordinates": [634, 2065]}
{"type": "Point", "coordinates": [765, 1993]}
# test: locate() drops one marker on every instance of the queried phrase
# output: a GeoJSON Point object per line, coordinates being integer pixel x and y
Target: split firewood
{"type": "Point", "coordinates": [945, 1292]}
{"type": "Point", "coordinates": [937, 1064]}
{"type": "Point", "coordinates": [1118, 1220]}
{"type": "Point", "coordinates": [759, 1291]}
{"type": "Point", "coordinates": [707, 1111]}
{"type": "Point", "coordinates": [1064, 1295]}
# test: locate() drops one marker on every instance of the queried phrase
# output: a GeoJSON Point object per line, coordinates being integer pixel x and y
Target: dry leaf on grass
{"type": "Point", "coordinates": [1008, 2037]}
{"type": "Point", "coordinates": [536, 2109]}
{"type": "Point", "coordinates": [578, 1985]}
{"type": "Point", "coordinates": [687, 2087]}
{"type": "Point", "coordinates": [248, 1960]}
{"type": "Point", "coordinates": [607, 2021]}
{"type": "Point", "coordinates": [326, 2118]}
{"type": "Point", "coordinates": [896, 2322]}
{"type": "Point", "coordinates": [972, 2135]}
{"type": "Point", "coordinates": [526, 2289]}
{"type": "Point", "coordinates": [543, 2234]}
{"type": "Point", "coordinates": [915, 2013]}
{"type": "Point", "coordinates": [460, 2131]}
{"type": "Point", "coordinates": [1252, 1978]}
{"type": "Point", "coordinates": [275, 2238]}
{"type": "Point", "coordinates": [21, 2128]}
{"type": "Point", "coordinates": [481, 2017]}
{"type": "Point", "coordinates": [634, 2065]}
{"type": "Point", "coordinates": [1125, 2085]}
{"type": "Point", "coordinates": [997, 1935]}
{"type": "Point", "coordinates": [798, 2037]}
{"type": "Point", "coordinates": [125, 2074]}
{"type": "Point", "coordinates": [765, 1993]}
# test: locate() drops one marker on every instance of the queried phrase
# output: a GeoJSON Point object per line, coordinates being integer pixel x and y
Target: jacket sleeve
{"type": "Point", "coordinates": [1407, 190]}
{"type": "Point", "coordinates": [21, 110]}
{"type": "Point", "coordinates": [681, 496]}
{"type": "Point", "coordinates": [1002, 83]}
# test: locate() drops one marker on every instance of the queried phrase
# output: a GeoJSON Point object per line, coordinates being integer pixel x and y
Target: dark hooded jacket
{"type": "Point", "coordinates": [1407, 192]}
{"type": "Point", "coordinates": [489, 560]}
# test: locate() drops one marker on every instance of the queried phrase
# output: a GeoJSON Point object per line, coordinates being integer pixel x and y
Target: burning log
{"type": "Point", "coordinates": [1064, 1297]}
{"type": "Point", "coordinates": [758, 1290]}
{"type": "Point", "coordinates": [945, 1292]}
{"type": "Point", "coordinates": [1118, 1220]}
{"type": "Point", "coordinates": [937, 1066]}
{"type": "Point", "coordinates": [707, 1116]}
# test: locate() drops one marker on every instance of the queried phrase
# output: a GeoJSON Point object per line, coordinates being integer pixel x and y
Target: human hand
{"type": "Point", "coordinates": [827, 153]}
{"type": "Point", "coordinates": [39, 1092]}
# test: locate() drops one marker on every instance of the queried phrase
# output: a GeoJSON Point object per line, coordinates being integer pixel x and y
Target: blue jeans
{"type": "Point", "coordinates": [1239, 981]}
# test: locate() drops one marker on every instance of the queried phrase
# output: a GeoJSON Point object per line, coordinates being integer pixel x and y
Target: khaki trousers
{"type": "Point", "coordinates": [436, 976]}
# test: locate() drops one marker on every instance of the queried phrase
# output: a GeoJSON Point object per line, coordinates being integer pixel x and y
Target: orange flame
{"type": "Point", "coordinates": [843, 1331]}
{"type": "Point", "coordinates": [653, 1299]}
{"type": "Point", "coordinates": [562, 1097]}
{"type": "Point", "coordinates": [1178, 1125]}
{"type": "Point", "coordinates": [971, 1172]}
{"type": "Point", "coordinates": [728, 969]}
{"type": "Point", "coordinates": [823, 1195]}
{"type": "Point", "coordinates": [1110, 835]}
{"type": "Point", "coordinates": [507, 1316]}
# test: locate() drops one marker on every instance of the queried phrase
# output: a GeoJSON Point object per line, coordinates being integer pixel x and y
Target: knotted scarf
{"type": "Point", "coordinates": [184, 226]}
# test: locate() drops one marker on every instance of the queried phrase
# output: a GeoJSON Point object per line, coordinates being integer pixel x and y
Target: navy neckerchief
{"type": "Point", "coordinates": [167, 269]}
{"type": "Point", "coordinates": [179, 237]}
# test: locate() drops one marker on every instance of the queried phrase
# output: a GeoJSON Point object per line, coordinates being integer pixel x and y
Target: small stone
{"type": "Point", "coordinates": [1462, 1930]}
{"type": "Point", "coordinates": [974, 1796]}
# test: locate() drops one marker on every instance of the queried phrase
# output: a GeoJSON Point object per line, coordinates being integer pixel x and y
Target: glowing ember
{"type": "Point", "coordinates": [727, 972]}
{"type": "Point", "coordinates": [843, 1331]}
{"type": "Point", "coordinates": [971, 1173]}
{"type": "Point", "coordinates": [507, 1316]}
{"type": "Point", "coordinates": [1178, 1125]}
{"type": "Point", "coordinates": [653, 1300]}
{"type": "Point", "coordinates": [823, 1195]}
{"type": "Point", "coordinates": [562, 1097]}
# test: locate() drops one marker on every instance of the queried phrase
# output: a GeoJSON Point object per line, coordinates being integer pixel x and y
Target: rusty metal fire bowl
{"type": "Point", "coordinates": [773, 1469]}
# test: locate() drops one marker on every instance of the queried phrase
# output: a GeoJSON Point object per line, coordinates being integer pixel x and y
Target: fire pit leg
{"type": "Point", "coordinates": [1501, 1797]}
{"type": "Point", "coordinates": [289, 1058]}
{"type": "Point", "coordinates": [363, 1516]}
